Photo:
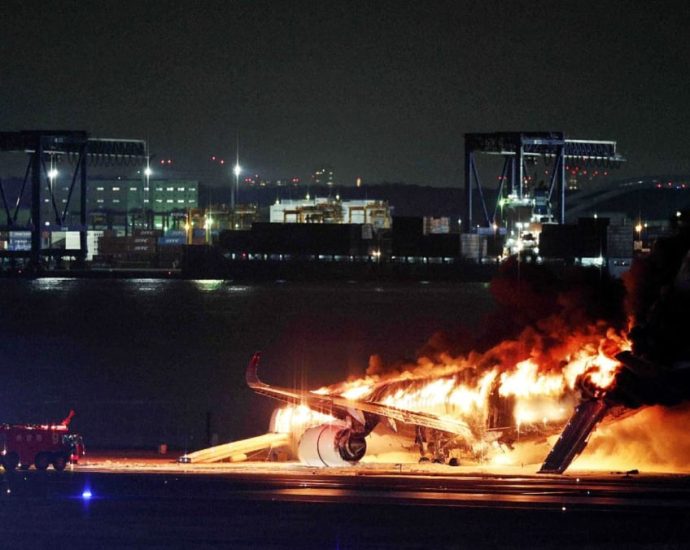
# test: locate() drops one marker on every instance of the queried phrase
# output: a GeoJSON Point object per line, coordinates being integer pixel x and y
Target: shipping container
{"type": "Point", "coordinates": [172, 240]}
{"type": "Point", "coordinates": [619, 241]}
{"type": "Point", "coordinates": [472, 246]}
{"type": "Point", "coordinates": [435, 226]}
{"type": "Point", "coordinates": [559, 241]}
{"type": "Point", "coordinates": [72, 240]}
{"type": "Point", "coordinates": [20, 241]}
{"type": "Point", "coordinates": [154, 233]}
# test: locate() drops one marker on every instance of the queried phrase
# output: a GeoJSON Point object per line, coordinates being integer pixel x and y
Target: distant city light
{"type": "Point", "coordinates": [86, 494]}
{"type": "Point", "coordinates": [237, 170]}
{"type": "Point", "coordinates": [53, 173]}
{"type": "Point", "coordinates": [638, 228]}
{"type": "Point", "coordinates": [148, 171]}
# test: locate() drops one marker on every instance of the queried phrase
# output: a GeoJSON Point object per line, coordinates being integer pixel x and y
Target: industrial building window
{"type": "Point", "coordinates": [170, 189]}
{"type": "Point", "coordinates": [180, 200]}
{"type": "Point", "coordinates": [169, 200]}
{"type": "Point", "coordinates": [116, 200]}
{"type": "Point", "coordinates": [99, 189]}
{"type": "Point", "coordinates": [99, 200]}
{"type": "Point", "coordinates": [180, 188]}
{"type": "Point", "coordinates": [116, 188]}
{"type": "Point", "coordinates": [132, 188]}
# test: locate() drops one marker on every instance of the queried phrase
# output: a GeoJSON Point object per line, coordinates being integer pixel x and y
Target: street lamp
{"type": "Point", "coordinates": [146, 197]}
{"type": "Point", "coordinates": [237, 170]}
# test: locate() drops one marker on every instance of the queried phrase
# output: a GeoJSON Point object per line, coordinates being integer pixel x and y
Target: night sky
{"type": "Point", "coordinates": [381, 90]}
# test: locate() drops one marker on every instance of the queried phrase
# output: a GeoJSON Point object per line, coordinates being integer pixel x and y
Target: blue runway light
{"type": "Point", "coordinates": [86, 494]}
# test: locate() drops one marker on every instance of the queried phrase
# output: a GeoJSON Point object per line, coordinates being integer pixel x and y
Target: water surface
{"type": "Point", "coordinates": [145, 361]}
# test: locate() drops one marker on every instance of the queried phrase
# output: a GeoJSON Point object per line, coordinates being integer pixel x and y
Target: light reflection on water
{"type": "Point", "coordinates": [52, 283]}
{"type": "Point", "coordinates": [214, 285]}
{"type": "Point", "coordinates": [155, 286]}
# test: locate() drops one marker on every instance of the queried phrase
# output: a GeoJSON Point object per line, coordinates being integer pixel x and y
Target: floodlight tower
{"type": "Point", "coordinates": [237, 170]}
{"type": "Point", "coordinates": [150, 222]}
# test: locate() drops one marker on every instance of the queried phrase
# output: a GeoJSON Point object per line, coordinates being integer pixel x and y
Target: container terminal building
{"type": "Point", "coordinates": [155, 223]}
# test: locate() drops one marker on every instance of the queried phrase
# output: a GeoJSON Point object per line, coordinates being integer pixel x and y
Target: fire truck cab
{"type": "Point", "coordinates": [22, 445]}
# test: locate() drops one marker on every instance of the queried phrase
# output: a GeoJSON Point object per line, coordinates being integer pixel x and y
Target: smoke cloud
{"type": "Point", "coordinates": [658, 299]}
{"type": "Point", "coordinates": [653, 439]}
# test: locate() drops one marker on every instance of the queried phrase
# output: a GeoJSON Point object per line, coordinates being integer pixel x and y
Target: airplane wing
{"type": "Point", "coordinates": [352, 408]}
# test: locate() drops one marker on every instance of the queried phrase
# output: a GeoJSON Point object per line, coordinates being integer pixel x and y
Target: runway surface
{"type": "Point", "coordinates": [155, 502]}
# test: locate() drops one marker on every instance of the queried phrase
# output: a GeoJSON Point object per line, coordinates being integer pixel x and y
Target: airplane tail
{"type": "Point", "coordinates": [251, 373]}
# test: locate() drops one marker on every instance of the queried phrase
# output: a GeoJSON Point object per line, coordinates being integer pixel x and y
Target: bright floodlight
{"type": "Point", "coordinates": [53, 173]}
{"type": "Point", "coordinates": [148, 171]}
{"type": "Point", "coordinates": [237, 169]}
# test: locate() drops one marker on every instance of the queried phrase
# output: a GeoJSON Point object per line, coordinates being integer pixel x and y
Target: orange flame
{"type": "Point", "coordinates": [539, 380]}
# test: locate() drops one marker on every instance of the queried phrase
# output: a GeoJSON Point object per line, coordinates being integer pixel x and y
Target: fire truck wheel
{"type": "Point", "coordinates": [42, 461]}
{"type": "Point", "coordinates": [10, 462]}
{"type": "Point", "coordinates": [59, 461]}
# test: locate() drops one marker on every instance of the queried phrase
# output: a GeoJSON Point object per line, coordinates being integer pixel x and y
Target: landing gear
{"type": "Point", "coordinates": [436, 450]}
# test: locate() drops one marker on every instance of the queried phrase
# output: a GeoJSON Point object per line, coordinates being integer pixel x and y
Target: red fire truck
{"type": "Point", "coordinates": [22, 445]}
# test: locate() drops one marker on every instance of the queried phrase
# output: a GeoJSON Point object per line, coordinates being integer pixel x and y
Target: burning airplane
{"type": "Point", "coordinates": [456, 411]}
{"type": "Point", "coordinates": [580, 359]}
{"type": "Point", "coordinates": [565, 355]}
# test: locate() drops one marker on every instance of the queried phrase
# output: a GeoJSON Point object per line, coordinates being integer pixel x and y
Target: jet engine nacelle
{"type": "Point", "coordinates": [331, 445]}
